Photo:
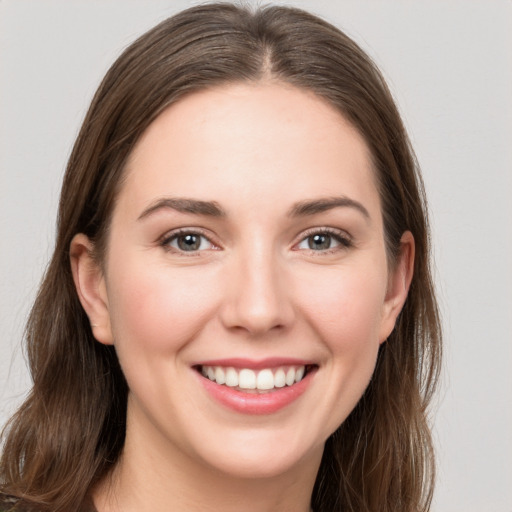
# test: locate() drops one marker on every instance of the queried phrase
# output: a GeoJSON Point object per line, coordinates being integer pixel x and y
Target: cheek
{"type": "Point", "coordinates": [345, 306]}
{"type": "Point", "coordinates": [155, 310]}
{"type": "Point", "coordinates": [347, 315]}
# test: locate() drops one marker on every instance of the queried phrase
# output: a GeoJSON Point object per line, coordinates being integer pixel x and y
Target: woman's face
{"type": "Point", "coordinates": [246, 286]}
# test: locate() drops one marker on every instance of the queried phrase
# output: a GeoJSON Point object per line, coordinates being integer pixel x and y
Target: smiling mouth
{"type": "Point", "coordinates": [255, 381]}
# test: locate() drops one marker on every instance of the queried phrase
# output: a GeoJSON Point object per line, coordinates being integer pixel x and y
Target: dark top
{"type": "Point", "coordinates": [7, 503]}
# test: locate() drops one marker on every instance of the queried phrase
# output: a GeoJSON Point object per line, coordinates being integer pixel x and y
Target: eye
{"type": "Point", "coordinates": [325, 240]}
{"type": "Point", "coordinates": [187, 241]}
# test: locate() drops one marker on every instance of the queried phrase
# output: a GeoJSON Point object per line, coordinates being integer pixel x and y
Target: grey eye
{"type": "Point", "coordinates": [189, 242]}
{"type": "Point", "coordinates": [320, 242]}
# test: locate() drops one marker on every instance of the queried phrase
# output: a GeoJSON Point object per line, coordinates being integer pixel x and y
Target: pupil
{"type": "Point", "coordinates": [320, 242]}
{"type": "Point", "coordinates": [189, 242]}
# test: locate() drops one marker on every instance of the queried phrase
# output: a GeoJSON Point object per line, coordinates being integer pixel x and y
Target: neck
{"type": "Point", "coordinates": [127, 490]}
{"type": "Point", "coordinates": [151, 477]}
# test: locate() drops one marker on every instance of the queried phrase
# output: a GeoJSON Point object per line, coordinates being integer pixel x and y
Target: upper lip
{"type": "Point", "coordinates": [255, 364]}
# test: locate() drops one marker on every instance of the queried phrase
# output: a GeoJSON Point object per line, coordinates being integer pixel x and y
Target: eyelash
{"type": "Point", "coordinates": [341, 237]}
{"type": "Point", "coordinates": [168, 238]}
{"type": "Point", "coordinates": [344, 240]}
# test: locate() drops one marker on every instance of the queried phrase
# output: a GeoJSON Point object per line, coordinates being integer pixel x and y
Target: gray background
{"type": "Point", "coordinates": [449, 65]}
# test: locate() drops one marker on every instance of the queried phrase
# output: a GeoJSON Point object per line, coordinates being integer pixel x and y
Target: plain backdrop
{"type": "Point", "coordinates": [449, 65]}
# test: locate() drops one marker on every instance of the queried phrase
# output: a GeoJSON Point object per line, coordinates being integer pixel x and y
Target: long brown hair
{"type": "Point", "coordinates": [70, 431]}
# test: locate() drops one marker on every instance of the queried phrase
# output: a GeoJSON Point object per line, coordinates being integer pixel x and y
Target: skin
{"type": "Point", "coordinates": [254, 289]}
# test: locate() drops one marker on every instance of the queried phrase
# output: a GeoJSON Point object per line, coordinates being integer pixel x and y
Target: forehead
{"type": "Point", "coordinates": [257, 143]}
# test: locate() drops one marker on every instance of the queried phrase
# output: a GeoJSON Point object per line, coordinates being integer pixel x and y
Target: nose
{"type": "Point", "coordinates": [257, 295]}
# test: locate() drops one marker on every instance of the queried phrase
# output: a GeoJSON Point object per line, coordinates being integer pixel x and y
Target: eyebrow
{"type": "Point", "coordinates": [314, 206]}
{"type": "Point", "coordinates": [213, 209]}
{"type": "Point", "coordinates": [184, 205]}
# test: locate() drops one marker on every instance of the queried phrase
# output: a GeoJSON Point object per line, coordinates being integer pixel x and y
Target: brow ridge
{"type": "Point", "coordinates": [213, 209]}
{"type": "Point", "coordinates": [314, 206]}
{"type": "Point", "coordinates": [184, 205]}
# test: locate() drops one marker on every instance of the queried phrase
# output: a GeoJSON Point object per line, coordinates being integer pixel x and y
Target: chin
{"type": "Point", "coordinates": [269, 460]}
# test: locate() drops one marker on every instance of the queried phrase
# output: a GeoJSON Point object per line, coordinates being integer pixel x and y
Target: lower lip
{"type": "Point", "coordinates": [256, 403]}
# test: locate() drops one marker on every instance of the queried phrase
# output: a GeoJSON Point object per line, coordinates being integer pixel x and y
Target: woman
{"type": "Point", "coordinates": [239, 313]}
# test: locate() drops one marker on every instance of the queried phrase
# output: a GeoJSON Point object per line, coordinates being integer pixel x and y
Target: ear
{"type": "Point", "coordinates": [398, 285]}
{"type": "Point", "coordinates": [90, 287]}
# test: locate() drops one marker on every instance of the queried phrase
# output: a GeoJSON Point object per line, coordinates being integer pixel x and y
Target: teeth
{"type": "Point", "coordinates": [280, 378]}
{"type": "Point", "coordinates": [220, 376]}
{"type": "Point", "coordinates": [265, 380]}
{"type": "Point", "coordinates": [231, 378]}
{"type": "Point", "coordinates": [246, 378]}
